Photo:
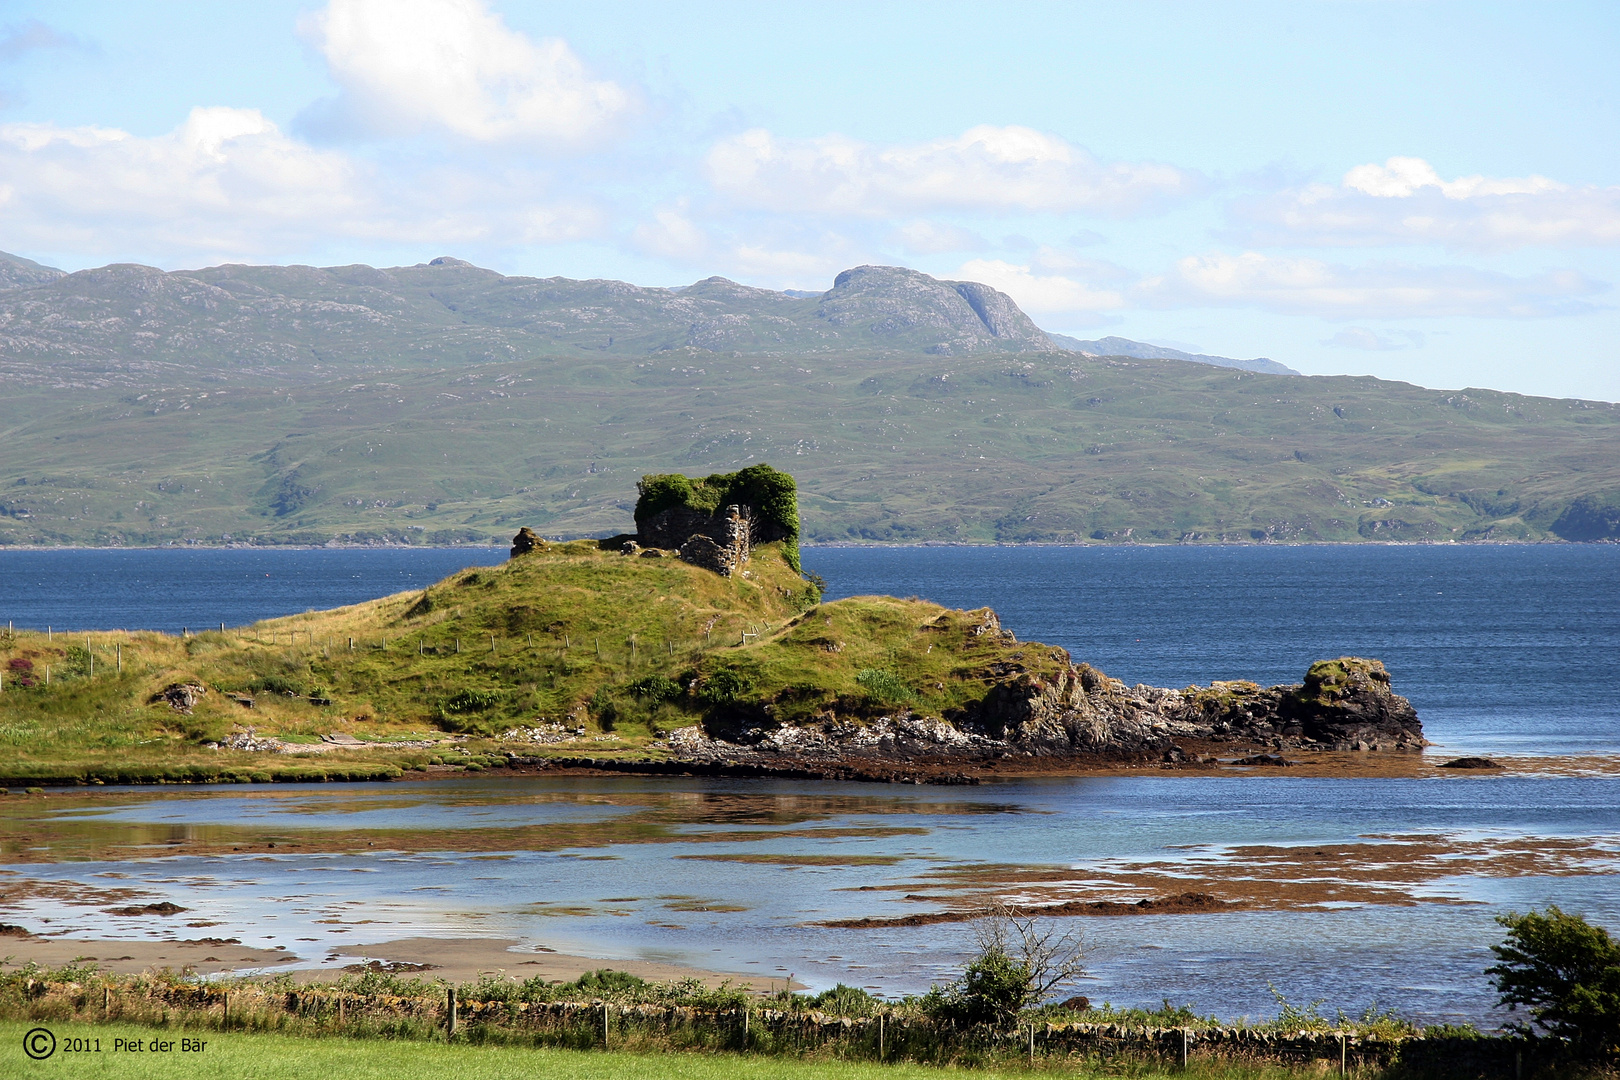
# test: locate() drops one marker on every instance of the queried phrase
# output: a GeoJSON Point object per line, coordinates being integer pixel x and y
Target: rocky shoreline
{"type": "Point", "coordinates": [1032, 722]}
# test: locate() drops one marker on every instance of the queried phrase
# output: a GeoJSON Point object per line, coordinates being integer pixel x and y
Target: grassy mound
{"type": "Point", "coordinates": [568, 649]}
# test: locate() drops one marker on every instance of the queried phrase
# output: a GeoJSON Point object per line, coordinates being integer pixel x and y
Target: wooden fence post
{"type": "Point", "coordinates": [450, 1009]}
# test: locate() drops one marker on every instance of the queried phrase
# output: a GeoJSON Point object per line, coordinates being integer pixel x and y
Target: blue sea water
{"type": "Point", "coordinates": [168, 589]}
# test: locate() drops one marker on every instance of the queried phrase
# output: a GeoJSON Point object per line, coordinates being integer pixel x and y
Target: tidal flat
{"type": "Point", "coordinates": [1359, 891]}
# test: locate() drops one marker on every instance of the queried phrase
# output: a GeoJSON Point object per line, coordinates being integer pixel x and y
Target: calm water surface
{"type": "Point", "coordinates": [1502, 649]}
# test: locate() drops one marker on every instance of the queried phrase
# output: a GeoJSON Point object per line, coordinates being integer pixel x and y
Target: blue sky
{"type": "Point", "coordinates": [1419, 191]}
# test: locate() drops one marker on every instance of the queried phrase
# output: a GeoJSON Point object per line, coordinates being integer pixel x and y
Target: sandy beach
{"type": "Point", "coordinates": [458, 960]}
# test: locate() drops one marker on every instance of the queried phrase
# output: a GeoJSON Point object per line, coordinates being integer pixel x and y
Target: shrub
{"type": "Point", "coordinates": [1567, 972]}
{"type": "Point", "coordinates": [844, 1000]}
{"type": "Point", "coordinates": [723, 687]}
{"type": "Point", "coordinates": [885, 687]}
{"type": "Point", "coordinates": [656, 688]}
{"type": "Point", "coordinates": [993, 990]}
{"type": "Point", "coordinates": [1021, 960]}
{"type": "Point", "coordinates": [605, 982]}
{"type": "Point", "coordinates": [472, 701]}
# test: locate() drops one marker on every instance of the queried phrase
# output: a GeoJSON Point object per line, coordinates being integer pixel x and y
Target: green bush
{"type": "Point", "coordinates": [722, 687]}
{"type": "Point", "coordinates": [1567, 972]}
{"type": "Point", "coordinates": [656, 688]}
{"type": "Point", "coordinates": [844, 1000]}
{"type": "Point", "coordinates": [993, 989]}
{"type": "Point", "coordinates": [885, 687]}
{"type": "Point", "coordinates": [472, 701]}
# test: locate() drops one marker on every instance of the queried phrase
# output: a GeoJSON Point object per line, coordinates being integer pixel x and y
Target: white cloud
{"type": "Point", "coordinates": [1405, 201]}
{"type": "Point", "coordinates": [1382, 290]}
{"type": "Point", "coordinates": [228, 183]}
{"type": "Point", "coordinates": [452, 65]}
{"type": "Point", "coordinates": [1042, 293]}
{"type": "Point", "coordinates": [673, 235]}
{"type": "Point", "coordinates": [985, 168]}
{"type": "Point", "coordinates": [222, 175]}
{"type": "Point", "coordinates": [933, 237]}
{"type": "Point", "coordinates": [1360, 337]}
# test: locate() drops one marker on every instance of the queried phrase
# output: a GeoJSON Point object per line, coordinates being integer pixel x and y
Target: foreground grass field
{"type": "Point", "coordinates": [274, 1057]}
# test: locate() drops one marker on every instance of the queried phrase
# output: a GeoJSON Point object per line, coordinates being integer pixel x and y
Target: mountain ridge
{"type": "Point", "coordinates": [1141, 350]}
{"type": "Point", "coordinates": [867, 306]}
{"type": "Point", "coordinates": [444, 403]}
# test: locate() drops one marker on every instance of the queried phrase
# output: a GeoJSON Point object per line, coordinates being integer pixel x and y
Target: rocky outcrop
{"type": "Point", "coordinates": [1343, 704]}
{"type": "Point", "coordinates": [181, 697]}
{"type": "Point", "coordinates": [526, 541]}
{"type": "Point", "coordinates": [954, 318]}
{"type": "Point", "coordinates": [1347, 704]}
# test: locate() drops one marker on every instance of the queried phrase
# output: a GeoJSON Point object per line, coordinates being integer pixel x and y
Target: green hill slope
{"type": "Point", "coordinates": [446, 404]}
{"type": "Point", "coordinates": [571, 649]}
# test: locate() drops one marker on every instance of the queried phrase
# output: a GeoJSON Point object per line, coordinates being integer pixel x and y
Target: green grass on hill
{"type": "Point", "coordinates": [610, 650]}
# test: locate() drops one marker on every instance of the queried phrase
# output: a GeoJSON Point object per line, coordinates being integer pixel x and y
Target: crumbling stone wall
{"type": "Point", "coordinates": [727, 553]}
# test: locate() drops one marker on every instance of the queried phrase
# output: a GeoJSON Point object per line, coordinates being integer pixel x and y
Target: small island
{"type": "Point", "coordinates": [693, 645]}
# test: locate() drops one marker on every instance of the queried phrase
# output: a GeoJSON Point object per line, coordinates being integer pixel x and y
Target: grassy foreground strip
{"type": "Point", "coordinates": [263, 1056]}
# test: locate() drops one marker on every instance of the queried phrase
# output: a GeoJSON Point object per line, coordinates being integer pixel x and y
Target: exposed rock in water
{"type": "Point", "coordinates": [164, 908]}
{"type": "Point", "coordinates": [1343, 704]}
{"type": "Point", "coordinates": [1470, 763]}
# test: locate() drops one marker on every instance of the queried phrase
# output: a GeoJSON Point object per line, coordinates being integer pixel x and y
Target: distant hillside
{"type": "Point", "coordinates": [295, 323]}
{"type": "Point", "coordinates": [17, 272]}
{"type": "Point", "coordinates": [1141, 350]}
{"type": "Point", "coordinates": [443, 403]}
